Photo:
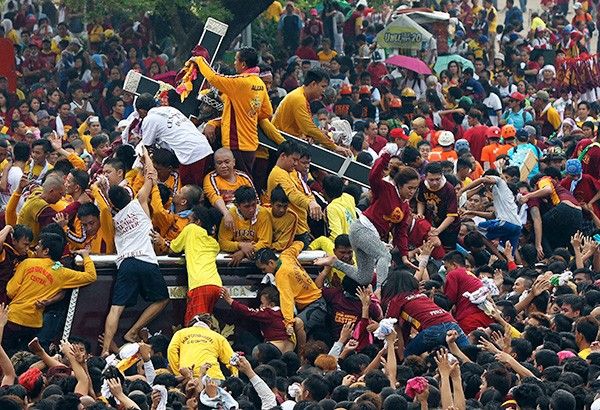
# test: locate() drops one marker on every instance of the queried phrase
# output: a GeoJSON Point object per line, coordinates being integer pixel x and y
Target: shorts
{"type": "Point", "coordinates": [314, 315]}
{"type": "Point", "coordinates": [201, 300]}
{"type": "Point", "coordinates": [136, 277]}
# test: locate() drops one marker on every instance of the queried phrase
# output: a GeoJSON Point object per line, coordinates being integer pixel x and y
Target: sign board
{"type": "Point", "coordinates": [403, 33]}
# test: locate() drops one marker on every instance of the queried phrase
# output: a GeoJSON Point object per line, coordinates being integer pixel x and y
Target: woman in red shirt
{"type": "Point", "coordinates": [415, 310]}
{"type": "Point", "coordinates": [389, 213]}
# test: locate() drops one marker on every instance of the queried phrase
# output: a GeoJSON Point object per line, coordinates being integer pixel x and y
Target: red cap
{"type": "Point", "coordinates": [493, 132]}
{"type": "Point", "coordinates": [346, 89]}
{"type": "Point", "coordinates": [314, 12]}
{"type": "Point", "coordinates": [30, 378]}
{"type": "Point", "coordinates": [517, 96]}
{"type": "Point", "coordinates": [364, 89]}
{"type": "Point", "coordinates": [398, 133]}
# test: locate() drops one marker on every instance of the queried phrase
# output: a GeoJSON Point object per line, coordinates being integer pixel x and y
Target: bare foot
{"type": "Point", "coordinates": [35, 346]}
{"type": "Point", "coordinates": [325, 261]}
{"type": "Point", "coordinates": [131, 337]}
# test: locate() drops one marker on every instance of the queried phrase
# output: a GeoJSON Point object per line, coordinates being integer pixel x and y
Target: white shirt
{"type": "Point", "coordinates": [132, 234]}
{"type": "Point", "coordinates": [14, 177]}
{"type": "Point", "coordinates": [493, 102]}
{"type": "Point", "coordinates": [504, 202]}
{"type": "Point", "coordinates": [168, 128]}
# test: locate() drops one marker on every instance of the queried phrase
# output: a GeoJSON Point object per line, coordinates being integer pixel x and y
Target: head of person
{"type": "Point", "coordinates": [40, 150]}
{"type": "Point", "coordinates": [316, 81]}
{"type": "Point", "coordinates": [279, 202]}
{"type": "Point", "coordinates": [333, 186]}
{"type": "Point", "coordinates": [583, 110]}
{"type": "Point", "coordinates": [22, 236]}
{"type": "Point", "coordinates": [588, 129]}
{"type": "Point", "coordinates": [50, 245]}
{"type": "Point", "coordinates": [21, 151]}
{"type": "Point", "coordinates": [586, 331]}
{"type": "Point", "coordinates": [101, 146]}
{"type": "Point", "coordinates": [583, 276]}
{"type": "Point", "coordinates": [453, 260]}
{"type": "Point", "coordinates": [397, 282]}
{"type": "Point", "coordinates": [314, 388]}
{"type": "Point", "coordinates": [474, 117]}
{"type": "Point", "coordinates": [303, 164]}
{"type": "Point", "coordinates": [187, 197]}
{"type": "Point", "coordinates": [269, 297]}
{"type": "Point", "coordinates": [94, 126]}
{"type": "Point", "coordinates": [119, 197]}
{"type": "Point", "coordinates": [434, 175]}
{"type": "Point", "coordinates": [114, 171]}
{"type": "Point", "coordinates": [571, 305]}
{"type": "Point", "coordinates": [246, 202]}
{"type": "Point", "coordinates": [164, 162]}
{"type": "Point", "coordinates": [144, 103]}
{"type": "Point", "coordinates": [245, 59]}
{"type": "Point", "coordinates": [288, 155]}
{"type": "Point", "coordinates": [424, 148]}
{"type": "Point", "coordinates": [76, 182]}
{"type": "Point", "coordinates": [266, 260]}
{"type": "Point", "coordinates": [89, 215]}
{"type": "Point", "coordinates": [202, 217]}
{"type": "Point", "coordinates": [342, 248]}
{"type": "Point", "coordinates": [406, 180]}
{"type": "Point", "coordinates": [53, 188]}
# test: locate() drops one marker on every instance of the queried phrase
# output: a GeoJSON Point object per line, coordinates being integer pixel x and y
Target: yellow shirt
{"type": "Point", "coordinates": [35, 279]}
{"type": "Point", "coordinates": [295, 287]}
{"type": "Point", "coordinates": [274, 11]}
{"type": "Point", "coordinates": [216, 188]}
{"type": "Point", "coordinates": [414, 139]}
{"type": "Point", "coordinates": [245, 103]}
{"type": "Point", "coordinates": [326, 57]}
{"type": "Point", "coordinates": [323, 243]}
{"type": "Point", "coordinates": [201, 251]}
{"type": "Point", "coordinates": [258, 230]}
{"type": "Point", "coordinates": [299, 201]}
{"type": "Point", "coordinates": [294, 117]}
{"type": "Point", "coordinates": [585, 353]}
{"type": "Point", "coordinates": [103, 242]}
{"type": "Point", "coordinates": [340, 213]}
{"type": "Point", "coordinates": [167, 223]}
{"type": "Point", "coordinates": [196, 345]}
{"type": "Point", "coordinates": [284, 230]}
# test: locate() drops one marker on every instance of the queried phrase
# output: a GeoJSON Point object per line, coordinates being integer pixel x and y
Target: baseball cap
{"type": "Point", "coordinates": [499, 56]}
{"type": "Point", "coordinates": [517, 96]}
{"type": "Point", "coordinates": [398, 133]}
{"type": "Point", "coordinates": [573, 167]}
{"type": "Point", "coordinates": [123, 123]}
{"type": "Point", "coordinates": [577, 5]}
{"type": "Point", "coordinates": [94, 119]}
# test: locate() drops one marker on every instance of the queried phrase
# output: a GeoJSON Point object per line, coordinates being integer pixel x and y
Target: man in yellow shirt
{"type": "Point", "coordinates": [221, 184]}
{"type": "Point", "coordinates": [586, 333]}
{"type": "Point", "coordinates": [197, 345]}
{"type": "Point", "coordinates": [245, 104]}
{"type": "Point", "coordinates": [252, 227]}
{"type": "Point", "coordinates": [300, 203]}
{"type": "Point", "coordinates": [293, 114]}
{"type": "Point", "coordinates": [341, 249]}
{"type": "Point", "coordinates": [283, 220]}
{"type": "Point", "coordinates": [201, 250]}
{"type": "Point", "coordinates": [341, 211]}
{"type": "Point", "coordinates": [37, 168]}
{"type": "Point", "coordinates": [38, 279]}
{"type": "Point", "coordinates": [296, 289]}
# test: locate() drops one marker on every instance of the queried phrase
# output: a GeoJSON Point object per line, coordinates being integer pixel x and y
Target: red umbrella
{"type": "Point", "coordinates": [410, 63]}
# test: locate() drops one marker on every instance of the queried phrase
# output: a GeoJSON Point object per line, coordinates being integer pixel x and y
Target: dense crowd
{"type": "Point", "coordinates": [465, 276]}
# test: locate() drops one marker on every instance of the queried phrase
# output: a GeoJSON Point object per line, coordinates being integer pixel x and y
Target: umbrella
{"type": "Point", "coordinates": [442, 62]}
{"type": "Point", "coordinates": [410, 63]}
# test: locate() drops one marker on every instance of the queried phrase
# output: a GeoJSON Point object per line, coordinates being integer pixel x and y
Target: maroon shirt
{"type": "Point", "coordinates": [440, 204]}
{"type": "Point", "coordinates": [584, 191]}
{"type": "Point", "coordinates": [270, 321]}
{"type": "Point", "coordinates": [378, 144]}
{"type": "Point", "coordinates": [388, 212]}
{"type": "Point", "coordinates": [591, 162]}
{"type": "Point", "coordinates": [344, 309]}
{"type": "Point", "coordinates": [468, 315]}
{"type": "Point", "coordinates": [418, 310]}
{"type": "Point", "coordinates": [8, 263]}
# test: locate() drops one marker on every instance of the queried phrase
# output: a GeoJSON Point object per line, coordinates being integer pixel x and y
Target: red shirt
{"type": "Point", "coordinates": [585, 190]}
{"type": "Point", "coordinates": [344, 309]}
{"type": "Point", "coordinates": [377, 71]}
{"type": "Point", "coordinates": [418, 310]}
{"type": "Point", "coordinates": [388, 212]}
{"type": "Point", "coordinates": [591, 162]}
{"type": "Point", "coordinates": [477, 140]}
{"type": "Point", "coordinates": [468, 315]}
{"type": "Point", "coordinates": [440, 204]}
{"type": "Point", "coordinates": [418, 235]}
{"type": "Point", "coordinates": [270, 321]}
{"type": "Point", "coordinates": [378, 144]}
{"type": "Point", "coordinates": [306, 53]}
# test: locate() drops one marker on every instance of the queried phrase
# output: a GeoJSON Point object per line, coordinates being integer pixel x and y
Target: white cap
{"type": "Point", "coordinates": [446, 138]}
{"type": "Point", "coordinates": [94, 119]}
{"type": "Point", "coordinates": [577, 5]}
{"type": "Point", "coordinates": [123, 124]}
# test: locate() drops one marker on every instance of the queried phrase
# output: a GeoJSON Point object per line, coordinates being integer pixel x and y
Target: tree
{"type": "Point", "coordinates": [183, 19]}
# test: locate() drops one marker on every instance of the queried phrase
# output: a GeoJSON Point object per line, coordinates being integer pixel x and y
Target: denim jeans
{"type": "Point", "coordinates": [432, 337]}
{"type": "Point", "coordinates": [498, 229]}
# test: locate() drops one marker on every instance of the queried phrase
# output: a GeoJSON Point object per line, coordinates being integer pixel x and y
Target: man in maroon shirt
{"type": "Point", "coordinates": [459, 281]}
{"type": "Point", "coordinates": [584, 187]}
{"type": "Point", "coordinates": [376, 141]}
{"type": "Point", "coordinates": [437, 202]}
{"type": "Point", "coordinates": [476, 135]}
{"type": "Point", "coordinates": [590, 158]}
{"type": "Point", "coordinates": [268, 316]}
